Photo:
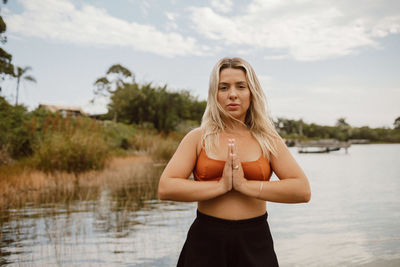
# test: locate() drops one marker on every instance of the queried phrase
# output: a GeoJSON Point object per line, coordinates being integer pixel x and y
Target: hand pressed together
{"type": "Point", "coordinates": [232, 176]}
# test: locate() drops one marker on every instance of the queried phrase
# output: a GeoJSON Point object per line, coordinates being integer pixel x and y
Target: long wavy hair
{"type": "Point", "coordinates": [258, 121]}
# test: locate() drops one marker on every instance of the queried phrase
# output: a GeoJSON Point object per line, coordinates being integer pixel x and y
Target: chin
{"type": "Point", "coordinates": [241, 118]}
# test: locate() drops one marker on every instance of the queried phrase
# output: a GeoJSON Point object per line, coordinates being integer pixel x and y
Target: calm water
{"type": "Point", "coordinates": [351, 220]}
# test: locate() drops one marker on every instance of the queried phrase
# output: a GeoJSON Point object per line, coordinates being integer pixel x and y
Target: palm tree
{"type": "Point", "coordinates": [21, 74]}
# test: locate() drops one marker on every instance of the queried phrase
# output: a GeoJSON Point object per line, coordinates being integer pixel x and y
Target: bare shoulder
{"type": "Point", "coordinates": [195, 133]}
{"type": "Point", "coordinates": [184, 159]}
{"type": "Point", "coordinates": [283, 163]}
{"type": "Point", "coordinates": [282, 150]}
{"type": "Point", "coordinates": [194, 138]}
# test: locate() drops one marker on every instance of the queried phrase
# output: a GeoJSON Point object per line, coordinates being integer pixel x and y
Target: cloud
{"type": "Point", "coordinates": [276, 57]}
{"type": "Point", "coordinates": [223, 6]}
{"type": "Point", "coordinates": [305, 30]}
{"type": "Point", "coordinates": [60, 20]}
{"type": "Point", "coordinates": [171, 25]}
{"type": "Point", "coordinates": [266, 81]}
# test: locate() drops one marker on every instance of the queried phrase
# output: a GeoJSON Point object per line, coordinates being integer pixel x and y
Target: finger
{"type": "Point", "coordinates": [229, 149]}
{"type": "Point", "coordinates": [228, 164]}
{"type": "Point", "coordinates": [232, 152]}
{"type": "Point", "coordinates": [235, 152]}
{"type": "Point", "coordinates": [233, 156]}
{"type": "Point", "coordinates": [235, 162]}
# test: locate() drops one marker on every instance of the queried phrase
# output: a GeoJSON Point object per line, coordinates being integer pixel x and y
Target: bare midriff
{"type": "Point", "coordinates": [233, 206]}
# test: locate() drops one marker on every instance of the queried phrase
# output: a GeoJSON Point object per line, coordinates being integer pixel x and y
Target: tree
{"type": "Point", "coordinates": [116, 78]}
{"type": "Point", "coordinates": [344, 129]}
{"type": "Point", "coordinates": [14, 136]}
{"type": "Point", "coordinates": [6, 68]}
{"type": "Point", "coordinates": [20, 74]}
{"type": "Point", "coordinates": [397, 123]}
{"type": "Point", "coordinates": [342, 122]}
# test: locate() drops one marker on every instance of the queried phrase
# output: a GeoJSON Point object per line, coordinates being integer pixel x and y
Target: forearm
{"type": "Point", "coordinates": [282, 191]}
{"type": "Point", "coordinates": [185, 190]}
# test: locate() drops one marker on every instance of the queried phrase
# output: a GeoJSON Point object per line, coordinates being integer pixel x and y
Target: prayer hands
{"type": "Point", "coordinates": [238, 179]}
{"type": "Point", "coordinates": [232, 176]}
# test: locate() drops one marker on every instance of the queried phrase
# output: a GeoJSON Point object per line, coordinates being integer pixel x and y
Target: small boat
{"type": "Point", "coordinates": [322, 146]}
{"type": "Point", "coordinates": [320, 150]}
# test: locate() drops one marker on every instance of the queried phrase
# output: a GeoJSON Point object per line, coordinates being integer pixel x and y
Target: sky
{"type": "Point", "coordinates": [316, 60]}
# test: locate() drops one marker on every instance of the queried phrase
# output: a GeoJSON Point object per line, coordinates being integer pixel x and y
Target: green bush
{"type": "Point", "coordinates": [13, 133]}
{"type": "Point", "coordinates": [76, 153]}
{"type": "Point", "coordinates": [118, 135]}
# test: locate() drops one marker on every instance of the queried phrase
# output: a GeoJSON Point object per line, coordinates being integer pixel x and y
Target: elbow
{"type": "Point", "coordinates": [162, 194]}
{"type": "Point", "coordinates": [306, 192]}
{"type": "Point", "coordinates": [307, 196]}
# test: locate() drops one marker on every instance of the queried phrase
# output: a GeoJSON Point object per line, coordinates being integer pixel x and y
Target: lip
{"type": "Point", "coordinates": [233, 106]}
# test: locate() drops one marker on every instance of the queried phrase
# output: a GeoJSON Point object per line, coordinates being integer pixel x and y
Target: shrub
{"type": "Point", "coordinates": [13, 135]}
{"type": "Point", "coordinates": [5, 158]}
{"type": "Point", "coordinates": [76, 153]}
{"type": "Point", "coordinates": [118, 135]}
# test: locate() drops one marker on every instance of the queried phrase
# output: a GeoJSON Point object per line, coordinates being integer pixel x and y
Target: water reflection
{"type": "Point", "coordinates": [85, 223]}
{"type": "Point", "coordinates": [116, 219]}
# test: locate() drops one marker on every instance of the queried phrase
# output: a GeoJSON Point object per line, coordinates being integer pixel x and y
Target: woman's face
{"type": "Point", "coordinates": [234, 93]}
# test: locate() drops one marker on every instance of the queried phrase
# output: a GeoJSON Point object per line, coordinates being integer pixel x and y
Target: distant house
{"type": "Point", "coordinates": [66, 111]}
{"type": "Point", "coordinates": [96, 116]}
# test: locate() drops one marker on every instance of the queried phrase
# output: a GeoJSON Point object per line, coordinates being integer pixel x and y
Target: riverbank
{"type": "Point", "coordinates": [21, 185]}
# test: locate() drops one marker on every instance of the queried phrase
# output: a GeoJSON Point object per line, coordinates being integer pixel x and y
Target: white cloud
{"type": "Point", "coordinates": [266, 81]}
{"type": "Point", "coordinates": [60, 20]}
{"type": "Point", "coordinates": [276, 57]}
{"type": "Point", "coordinates": [223, 6]}
{"type": "Point", "coordinates": [171, 25]}
{"type": "Point", "coordinates": [171, 16]}
{"type": "Point", "coordinates": [306, 30]}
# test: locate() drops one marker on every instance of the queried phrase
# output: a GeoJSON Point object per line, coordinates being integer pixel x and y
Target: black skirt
{"type": "Point", "coordinates": [213, 241]}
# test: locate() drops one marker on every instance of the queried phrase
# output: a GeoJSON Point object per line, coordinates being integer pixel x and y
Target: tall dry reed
{"type": "Point", "coordinates": [70, 145]}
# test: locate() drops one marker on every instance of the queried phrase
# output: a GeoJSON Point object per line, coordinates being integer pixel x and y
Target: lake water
{"type": "Point", "coordinates": [352, 219]}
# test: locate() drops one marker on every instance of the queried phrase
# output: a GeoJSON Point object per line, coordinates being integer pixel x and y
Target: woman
{"type": "Point", "coordinates": [232, 156]}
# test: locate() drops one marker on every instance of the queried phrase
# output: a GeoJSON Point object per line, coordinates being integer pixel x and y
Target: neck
{"type": "Point", "coordinates": [234, 126]}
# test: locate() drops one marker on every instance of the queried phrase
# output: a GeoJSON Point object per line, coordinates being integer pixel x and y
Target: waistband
{"type": "Point", "coordinates": [234, 223]}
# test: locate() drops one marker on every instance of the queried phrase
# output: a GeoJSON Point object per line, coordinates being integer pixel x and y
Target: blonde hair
{"type": "Point", "coordinates": [216, 119]}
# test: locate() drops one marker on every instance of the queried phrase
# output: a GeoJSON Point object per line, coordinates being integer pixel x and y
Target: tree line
{"type": "Point", "coordinates": [298, 129]}
{"type": "Point", "coordinates": [22, 130]}
{"type": "Point", "coordinates": [134, 103]}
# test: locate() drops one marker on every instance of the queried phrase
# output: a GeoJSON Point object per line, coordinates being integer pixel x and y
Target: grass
{"type": "Point", "coordinates": [76, 159]}
{"type": "Point", "coordinates": [21, 185]}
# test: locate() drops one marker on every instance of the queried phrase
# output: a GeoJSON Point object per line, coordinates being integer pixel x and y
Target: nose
{"type": "Point", "coordinates": [232, 94]}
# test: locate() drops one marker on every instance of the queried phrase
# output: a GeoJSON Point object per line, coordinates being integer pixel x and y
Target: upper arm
{"type": "Point", "coordinates": [184, 159]}
{"type": "Point", "coordinates": [284, 165]}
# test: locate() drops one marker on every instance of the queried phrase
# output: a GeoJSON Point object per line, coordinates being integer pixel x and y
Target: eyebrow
{"type": "Point", "coordinates": [240, 82]}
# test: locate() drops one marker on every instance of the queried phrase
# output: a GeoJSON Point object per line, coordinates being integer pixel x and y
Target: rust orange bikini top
{"type": "Point", "coordinates": [208, 169]}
